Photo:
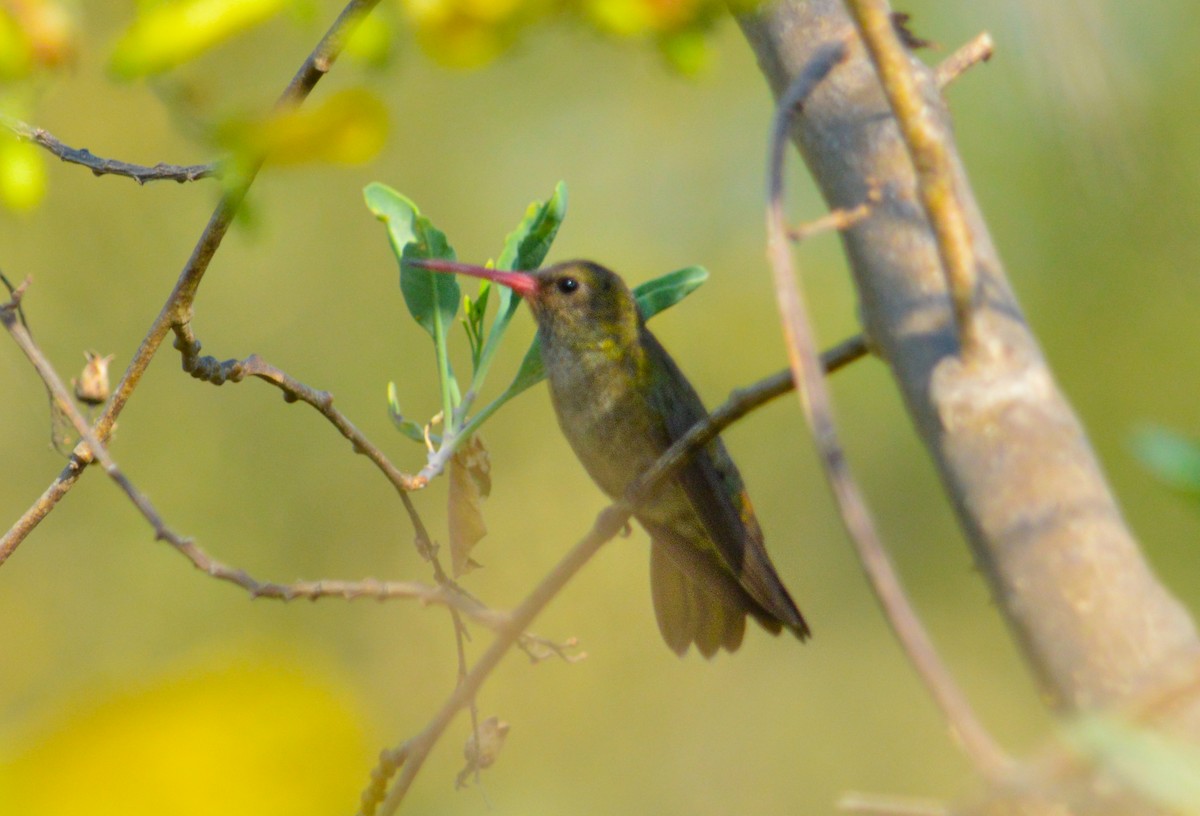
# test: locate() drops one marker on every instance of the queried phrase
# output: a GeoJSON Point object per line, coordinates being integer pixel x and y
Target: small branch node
{"type": "Point", "coordinates": [838, 220]}
{"type": "Point", "coordinates": [979, 49]}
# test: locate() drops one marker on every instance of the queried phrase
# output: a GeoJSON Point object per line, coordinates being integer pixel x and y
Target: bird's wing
{"type": "Point", "coordinates": [717, 494]}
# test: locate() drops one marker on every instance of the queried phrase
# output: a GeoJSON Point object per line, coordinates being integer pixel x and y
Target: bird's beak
{"type": "Point", "coordinates": [522, 283]}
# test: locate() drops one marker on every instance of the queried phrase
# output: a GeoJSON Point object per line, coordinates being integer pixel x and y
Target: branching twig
{"type": "Point", "coordinates": [817, 406]}
{"type": "Point", "coordinates": [931, 159]}
{"type": "Point", "coordinates": [445, 594]}
{"type": "Point", "coordinates": [178, 306]}
{"type": "Point", "coordinates": [409, 756]}
{"type": "Point", "coordinates": [211, 370]}
{"type": "Point", "coordinates": [108, 167]}
{"type": "Point", "coordinates": [978, 49]}
{"type": "Point", "coordinates": [217, 372]}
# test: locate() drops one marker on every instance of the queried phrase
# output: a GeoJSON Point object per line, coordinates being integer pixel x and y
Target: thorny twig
{"type": "Point", "coordinates": [409, 756]}
{"type": "Point", "coordinates": [108, 167]}
{"type": "Point", "coordinates": [988, 757]}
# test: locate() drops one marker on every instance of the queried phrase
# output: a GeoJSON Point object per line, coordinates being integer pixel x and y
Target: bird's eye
{"type": "Point", "coordinates": [567, 285]}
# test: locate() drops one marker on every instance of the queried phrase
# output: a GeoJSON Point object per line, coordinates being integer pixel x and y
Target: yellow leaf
{"type": "Point", "coordinates": [168, 34]}
{"type": "Point", "coordinates": [51, 30]}
{"type": "Point", "coordinates": [350, 127]}
{"type": "Point", "coordinates": [468, 33]}
{"type": "Point", "coordinates": [687, 50]}
{"type": "Point", "coordinates": [16, 54]}
{"type": "Point", "coordinates": [22, 175]}
{"type": "Point", "coordinates": [371, 42]}
{"type": "Point", "coordinates": [261, 740]}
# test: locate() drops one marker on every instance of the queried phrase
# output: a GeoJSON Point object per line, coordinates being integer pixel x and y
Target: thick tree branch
{"type": "Point", "coordinates": [989, 759]}
{"type": "Point", "coordinates": [1091, 616]}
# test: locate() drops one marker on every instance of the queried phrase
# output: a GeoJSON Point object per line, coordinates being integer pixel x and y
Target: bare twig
{"type": "Point", "coordinates": [409, 756]}
{"type": "Point", "coordinates": [41, 508]}
{"type": "Point", "coordinates": [931, 159]}
{"type": "Point", "coordinates": [211, 370]}
{"type": "Point", "coordinates": [58, 439]}
{"type": "Point", "coordinates": [976, 50]}
{"type": "Point", "coordinates": [108, 167]}
{"type": "Point", "coordinates": [178, 306]}
{"type": "Point", "coordinates": [836, 220]}
{"type": "Point", "coordinates": [446, 595]}
{"type": "Point", "coordinates": [815, 401]}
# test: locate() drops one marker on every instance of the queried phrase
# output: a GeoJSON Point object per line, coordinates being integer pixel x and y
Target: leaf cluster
{"type": "Point", "coordinates": [433, 300]}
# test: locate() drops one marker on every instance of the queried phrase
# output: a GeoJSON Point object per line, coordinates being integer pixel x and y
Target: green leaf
{"type": "Point", "coordinates": [406, 426]}
{"type": "Point", "coordinates": [474, 312]}
{"type": "Point", "coordinates": [662, 293]}
{"type": "Point", "coordinates": [432, 298]}
{"type": "Point", "coordinates": [167, 34]}
{"type": "Point", "coordinates": [1171, 456]}
{"type": "Point", "coordinates": [1160, 766]}
{"type": "Point", "coordinates": [531, 371]}
{"type": "Point", "coordinates": [524, 248]}
{"type": "Point", "coordinates": [527, 245]}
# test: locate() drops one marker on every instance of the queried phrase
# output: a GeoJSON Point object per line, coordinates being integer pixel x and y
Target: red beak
{"type": "Point", "coordinates": [522, 283]}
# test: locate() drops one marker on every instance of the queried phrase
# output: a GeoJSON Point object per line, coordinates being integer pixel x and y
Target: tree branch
{"type": "Point", "coordinates": [409, 756]}
{"type": "Point", "coordinates": [210, 370]}
{"type": "Point", "coordinates": [817, 405]}
{"type": "Point", "coordinates": [108, 167]}
{"type": "Point", "coordinates": [1086, 609]}
{"type": "Point", "coordinates": [178, 307]}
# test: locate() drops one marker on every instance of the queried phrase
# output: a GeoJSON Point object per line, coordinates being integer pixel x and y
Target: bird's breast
{"type": "Point", "coordinates": [599, 398]}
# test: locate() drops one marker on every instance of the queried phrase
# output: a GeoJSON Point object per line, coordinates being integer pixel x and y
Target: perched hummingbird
{"type": "Point", "coordinates": [621, 402]}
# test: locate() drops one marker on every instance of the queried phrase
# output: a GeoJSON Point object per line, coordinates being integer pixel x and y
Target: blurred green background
{"type": "Point", "coordinates": [1081, 141]}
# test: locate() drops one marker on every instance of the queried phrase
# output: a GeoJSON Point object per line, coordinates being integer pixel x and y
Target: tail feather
{"type": "Point", "coordinates": [697, 602]}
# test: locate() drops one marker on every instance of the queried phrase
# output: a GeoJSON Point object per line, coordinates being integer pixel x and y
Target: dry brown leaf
{"type": "Point", "coordinates": [470, 484]}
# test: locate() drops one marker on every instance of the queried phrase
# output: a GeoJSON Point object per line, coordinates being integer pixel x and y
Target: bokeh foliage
{"type": "Point", "coordinates": [1091, 205]}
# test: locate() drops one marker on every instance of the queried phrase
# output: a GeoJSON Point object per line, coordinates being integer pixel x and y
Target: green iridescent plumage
{"type": "Point", "coordinates": [621, 401]}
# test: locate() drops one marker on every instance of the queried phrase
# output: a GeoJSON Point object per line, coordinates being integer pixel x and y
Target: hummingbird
{"type": "Point", "coordinates": [621, 401]}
